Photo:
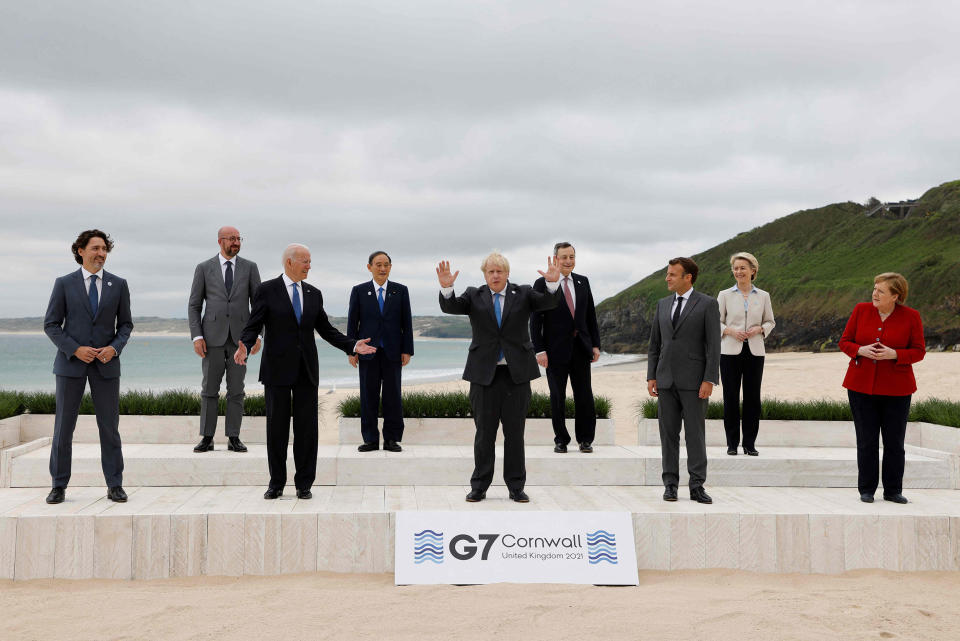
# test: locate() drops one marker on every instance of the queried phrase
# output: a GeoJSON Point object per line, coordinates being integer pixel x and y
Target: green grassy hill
{"type": "Point", "coordinates": [817, 264]}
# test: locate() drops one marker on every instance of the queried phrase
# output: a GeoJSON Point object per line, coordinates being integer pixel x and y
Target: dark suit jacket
{"type": "Point", "coordinates": [555, 331]}
{"type": "Point", "coordinates": [70, 322]}
{"type": "Point", "coordinates": [690, 354]}
{"type": "Point", "coordinates": [513, 336]}
{"type": "Point", "coordinates": [285, 343]}
{"type": "Point", "coordinates": [224, 313]}
{"type": "Point", "coordinates": [394, 328]}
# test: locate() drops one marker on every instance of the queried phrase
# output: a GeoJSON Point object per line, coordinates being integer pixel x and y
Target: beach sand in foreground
{"type": "Point", "coordinates": [719, 605]}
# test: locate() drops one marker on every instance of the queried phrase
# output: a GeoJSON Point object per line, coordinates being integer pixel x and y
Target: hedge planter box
{"type": "Point", "coordinates": [814, 434]}
{"type": "Point", "coordinates": [460, 431]}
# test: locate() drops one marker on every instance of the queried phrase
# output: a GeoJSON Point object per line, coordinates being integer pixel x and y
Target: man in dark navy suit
{"type": "Point", "coordinates": [289, 309]}
{"type": "Point", "coordinates": [380, 309]}
{"type": "Point", "coordinates": [567, 340]}
{"type": "Point", "coordinates": [500, 364]}
{"type": "Point", "coordinates": [88, 319]}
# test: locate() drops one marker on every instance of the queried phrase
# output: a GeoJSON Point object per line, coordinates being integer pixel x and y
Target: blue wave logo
{"type": "Point", "coordinates": [428, 546]}
{"type": "Point", "coordinates": [601, 547]}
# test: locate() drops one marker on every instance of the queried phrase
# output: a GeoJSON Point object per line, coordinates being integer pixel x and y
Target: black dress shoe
{"type": "Point", "coordinates": [273, 493]}
{"type": "Point", "coordinates": [750, 451]}
{"type": "Point", "coordinates": [699, 495]}
{"type": "Point", "coordinates": [519, 496]}
{"type": "Point", "coordinates": [236, 445]}
{"type": "Point", "coordinates": [866, 498]}
{"type": "Point", "coordinates": [586, 448]}
{"type": "Point", "coordinates": [895, 498]}
{"type": "Point", "coordinates": [368, 447]}
{"type": "Point", "coordinates": [304, 494]}
{"type": "Point", "coordinates": [57, 495]}
{"type": "Point", "coordinates": [670, 493]}
{"type": "Point", "coordinates": [117, 494]}
{"type": "Point", "coordinates": [475, 496]}
{"type": "Point", "coordinates": [392, 446]}
{"type": "Point", "coordinates": [560, 448]}
{"type": "Point", "coordinates": [731, 451]}
{"type": "Point", "coordinates": [205, 445]}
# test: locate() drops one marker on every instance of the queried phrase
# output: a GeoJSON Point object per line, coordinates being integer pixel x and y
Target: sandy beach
{"type": "Point", "coordinates": [712, 604]}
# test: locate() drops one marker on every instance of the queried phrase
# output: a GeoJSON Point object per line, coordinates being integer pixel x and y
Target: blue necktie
{"type": "Point", "coordinates": [380, 299]}
{"type": "Point", "coordinates": [296, 303]}
{"type": "Point", "coordinates": [94, 295]}
{"type": "Point", "coordinates": [499, 313]}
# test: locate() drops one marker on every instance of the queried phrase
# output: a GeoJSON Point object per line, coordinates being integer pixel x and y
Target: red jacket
{"type": "Point", "coordinates": [901, 331]}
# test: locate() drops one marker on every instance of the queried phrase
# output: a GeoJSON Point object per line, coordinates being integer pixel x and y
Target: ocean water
{"type": "Point", "coordinates": [168, 362]}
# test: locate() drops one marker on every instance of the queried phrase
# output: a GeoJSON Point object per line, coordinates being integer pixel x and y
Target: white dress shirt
{"type": "Point", "coordinates": [573, 290]}
{"type": "Point", "coordinates": [686, 301]}
{"type": "Point", "coordinates": [86, 282]}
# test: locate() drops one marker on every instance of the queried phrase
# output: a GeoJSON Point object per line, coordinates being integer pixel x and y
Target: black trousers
{"type": "Point", "coordinates": [376, 373]}
{"type": "Point", "coordinates": [303, 394]}
{"type": "Point", "coordinates": [105, 394]}
{"type": "Point", "coordinates": [578, 371]}
{"type": "Point", "coordinates": [506, 402]}
{"type": "Point", "coordinates": [875, 415]}
{"type": "Point", "coordinates": [747, 369]}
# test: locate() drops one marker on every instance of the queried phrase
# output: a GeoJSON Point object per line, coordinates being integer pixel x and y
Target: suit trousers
{"type": "Point", "coordinates": [875, 415]}
{"type": "Point", "coordinates": [676, 406]}
{"type": "Point", "coordinates": [506, 402]}
{"type": "Point", "coordinates": [303, 394]}
{"type": "Point", "coordinates": [578, 371]}
{"type": "Point", "coordinates": [219, 359]}
{"type": "Point", "coordinates": [380, 373]}
{"type": "Point", "coordinates": [747, 368]}
{"type": "Point", "coordinates": [105, 393]}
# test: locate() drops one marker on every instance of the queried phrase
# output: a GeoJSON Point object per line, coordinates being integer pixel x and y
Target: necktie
{"type": "Point", "coordinates": [228, 277]}
{"type": "Point", "coordinates": [499, 312]}
{"type": "Point", "coordinates": [94, 295]}
{"type": "Point", "coordinates": [568, 295]}
{"type": "Point", "coordinates": [676, 312]}
{"type": "Point", "coordinates": [297, 311]}
{"type": "Point", "coordinates": [380, 299]}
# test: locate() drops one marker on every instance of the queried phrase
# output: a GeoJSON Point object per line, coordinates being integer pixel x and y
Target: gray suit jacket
{"type": "Point", "coordinates": [690, 354]}
{"type": "Point", "coordinates": [70, 323]}
{"type": "Point", "coordinates": [224, 315]}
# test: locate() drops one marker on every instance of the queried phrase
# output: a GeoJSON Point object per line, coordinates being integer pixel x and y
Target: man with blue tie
{"type": "Point", "coordinates": [88, 319]}
{"type": "Point", "coordinates": [380, 309]}
{"type": "Point", "coordinates": [500, 364]}
{"type": "Point", "coordinates": [289, 310]}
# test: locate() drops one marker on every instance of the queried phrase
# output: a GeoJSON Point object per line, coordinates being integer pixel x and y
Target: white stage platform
{"type": "Point", "coordinates": [185, 531]}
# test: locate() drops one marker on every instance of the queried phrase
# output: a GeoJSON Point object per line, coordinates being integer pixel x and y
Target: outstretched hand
{"type": "Point", "coordinates": [553, 270]}
{"type": "Point", "coordinates": [362, 348]}
{"type": "Point", "coordinates": [443, 274]}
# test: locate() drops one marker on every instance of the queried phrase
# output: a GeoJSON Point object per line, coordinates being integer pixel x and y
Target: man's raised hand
{"type": "Point", "coordinates": [362, 348]}
{"type": "Point", "coordinates": [553, 270]}
{"type": "Point", "coordinates": [443, 274]}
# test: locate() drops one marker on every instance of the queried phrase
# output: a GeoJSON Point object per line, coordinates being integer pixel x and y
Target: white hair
{"type": "Point", "coordinates": [291, 251]}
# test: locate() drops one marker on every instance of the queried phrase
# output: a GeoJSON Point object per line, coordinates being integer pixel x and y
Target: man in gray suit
{"type": "Point", "coordinates": [683, 365]}
{"type": "Point", "coordinates": [88, 319]}
{"type": "Point", "coordinates": [227, 284]}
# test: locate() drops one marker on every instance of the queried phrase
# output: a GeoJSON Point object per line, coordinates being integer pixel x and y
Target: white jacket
{"type": "Point", "coordinates": [759, 312]}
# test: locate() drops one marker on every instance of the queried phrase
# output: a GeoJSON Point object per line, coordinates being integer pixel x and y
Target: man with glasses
{"type": "Point", "coordinates": [226, 283]}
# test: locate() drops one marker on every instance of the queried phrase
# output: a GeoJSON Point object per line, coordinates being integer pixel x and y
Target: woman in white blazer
{"type": "Point", "coordinates": [746, 319]}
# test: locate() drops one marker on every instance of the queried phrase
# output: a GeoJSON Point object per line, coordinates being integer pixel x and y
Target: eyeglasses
{"type": "Point", "coordinates": [233, 239]}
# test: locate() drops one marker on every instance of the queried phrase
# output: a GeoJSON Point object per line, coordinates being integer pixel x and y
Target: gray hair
{"type": "Point", "coordinates": [291, 251]}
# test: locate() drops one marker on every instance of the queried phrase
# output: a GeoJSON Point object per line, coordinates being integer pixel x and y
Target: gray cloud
{"type": "Point", "coordinates": [438, 129]}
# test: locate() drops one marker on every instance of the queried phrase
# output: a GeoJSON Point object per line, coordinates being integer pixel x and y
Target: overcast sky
{"type": "Point", "coordinates": [636, 130]}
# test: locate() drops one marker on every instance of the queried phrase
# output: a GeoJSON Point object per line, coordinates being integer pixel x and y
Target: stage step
{"type": "Point", "coordinates": [166, 532]}
{"type": "Point", "coordinates": [177, 465]}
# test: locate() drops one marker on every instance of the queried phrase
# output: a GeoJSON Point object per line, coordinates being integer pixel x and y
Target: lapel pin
{"type": "Point", "coordinates": [109, 283]}
{"type": "Point", "coordinates": [369, 293]}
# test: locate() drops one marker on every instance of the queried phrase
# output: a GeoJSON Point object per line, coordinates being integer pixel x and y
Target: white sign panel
{"type": "Point", "coordinates": [469, 547]}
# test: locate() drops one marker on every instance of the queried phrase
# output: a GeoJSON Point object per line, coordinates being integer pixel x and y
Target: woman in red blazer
{"type": "Point", "coordinates": [883, 340]}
